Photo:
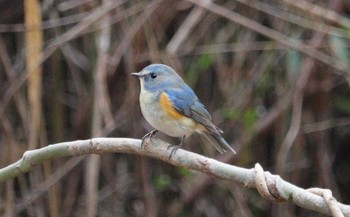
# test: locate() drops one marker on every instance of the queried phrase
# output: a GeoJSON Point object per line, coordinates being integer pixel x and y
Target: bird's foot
{"type": "Point", "coordinates": [175, 147]}
{"type": "Point", "coordinates": [149, 135]}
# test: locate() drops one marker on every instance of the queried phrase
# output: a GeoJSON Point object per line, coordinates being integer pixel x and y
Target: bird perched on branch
{"type": "Point", "coordinates": [170, 106]}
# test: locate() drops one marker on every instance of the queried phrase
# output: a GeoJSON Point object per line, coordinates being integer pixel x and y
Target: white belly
{"type": "Point", "coordinates": [153, 113]}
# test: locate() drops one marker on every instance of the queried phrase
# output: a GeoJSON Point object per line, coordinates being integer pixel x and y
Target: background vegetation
{"type": "Point", "coordinates": [273, 74]}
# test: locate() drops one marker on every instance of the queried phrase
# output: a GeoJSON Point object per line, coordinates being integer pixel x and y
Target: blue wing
{"type": "Point", "coordinates": [187, 103]}
{"type": "Point", "coordinates": [184, 99]}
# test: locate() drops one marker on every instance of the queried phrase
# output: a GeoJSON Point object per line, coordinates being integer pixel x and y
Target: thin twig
{"type": "Point", "coordinates": [55, 44]}
{"type": "Point", "coordinates": [101, 111]}
{"type": "Point", "coordinates": [271, 33]}
{"type": "Point", "coordinates": [295, 19]}
{"type": "Point", "coordinates": [185, 29]}
{"type": "Point", "coordinates": [301, 84]}
{"type": "Point", "coordinates": [324, 13]}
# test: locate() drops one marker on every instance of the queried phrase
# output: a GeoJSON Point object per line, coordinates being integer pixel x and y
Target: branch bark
{"type": "Point", "coordinates": [276, 188]}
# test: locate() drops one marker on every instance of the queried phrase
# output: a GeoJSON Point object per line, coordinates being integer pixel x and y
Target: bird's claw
{"type": "Point", "coordinates": [149, 135]}
{"type": "Point", "coordinates": [175, 147]}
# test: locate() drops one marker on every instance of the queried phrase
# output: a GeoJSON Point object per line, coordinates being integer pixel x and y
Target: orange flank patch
{"type": "Point", "coordinates": [168, 107]}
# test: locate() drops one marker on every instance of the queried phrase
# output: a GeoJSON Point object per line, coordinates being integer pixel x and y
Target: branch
{"type": "Point", "coordinates": [271, 187]}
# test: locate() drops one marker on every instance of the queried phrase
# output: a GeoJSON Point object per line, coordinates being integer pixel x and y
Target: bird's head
{"type": "Point", "coordinates": [157, 77]}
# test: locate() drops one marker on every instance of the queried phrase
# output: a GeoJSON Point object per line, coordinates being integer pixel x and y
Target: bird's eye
{"type": "Point", "coordinates": [153, 75]}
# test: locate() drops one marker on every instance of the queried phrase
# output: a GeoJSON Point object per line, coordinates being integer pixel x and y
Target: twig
{"type": "Point", "coordinates": [55, 44]}
{"type": "Point", "coordinates": [271, 33]}
{"type": "Point", "coordinates": [324, 13]}
{"type": "Point", "coordinates": [47, 183]}
{"type": "Point", "coordinates": [300, 87]}
{"type": "Point", "coordinates": [101, 111]}
{"type": "Point", "coordinates": [325, 125]}
{"type": "Point", "coordinates": [185, 29]}
{"type": "Point", "coordinates": [129, 35]}
{"type": "Point", "coordinates": [295, 19]}
{"type": "Point", "coordinates": [277, 187]}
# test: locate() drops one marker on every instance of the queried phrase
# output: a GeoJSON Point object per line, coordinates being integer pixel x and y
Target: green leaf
{"type": "Point", "coordinates": [185, 172]}
{"type": "Point", "coordinates": [231, 113]}
{"type": "Point", "coordinates": [250, 117]}
{"type": "Point", "coordinates": [162, 182]}
{"type": "Point", "coordinates": [205, 62]}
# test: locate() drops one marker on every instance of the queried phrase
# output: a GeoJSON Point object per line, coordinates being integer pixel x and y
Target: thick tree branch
{"type": "Point", "coordinates": [270, 186]}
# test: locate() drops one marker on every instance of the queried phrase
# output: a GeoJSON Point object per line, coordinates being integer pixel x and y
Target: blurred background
{"type": "Point", "coordinates": [274, 75]}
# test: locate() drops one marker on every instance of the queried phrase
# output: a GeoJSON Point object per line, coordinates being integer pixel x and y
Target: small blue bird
{"type": "Point", "coordinates": [170, 106]}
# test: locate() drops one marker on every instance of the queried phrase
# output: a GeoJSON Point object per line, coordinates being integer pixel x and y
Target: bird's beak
{"type": "Point", "coordinates": [137, 74]}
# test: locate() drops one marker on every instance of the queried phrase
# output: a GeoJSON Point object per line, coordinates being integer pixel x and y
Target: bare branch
{"type": "Point", "coordinates": [278, 189]}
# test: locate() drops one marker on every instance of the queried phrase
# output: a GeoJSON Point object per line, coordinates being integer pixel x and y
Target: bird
{"type": "Point", "coordinates": [170, 106]}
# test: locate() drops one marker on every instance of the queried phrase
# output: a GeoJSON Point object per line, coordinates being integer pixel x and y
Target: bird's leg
{"type": "Point", "coordinates": [175, 147]}
{"type": "Point", "coordinates": [149, 135]}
